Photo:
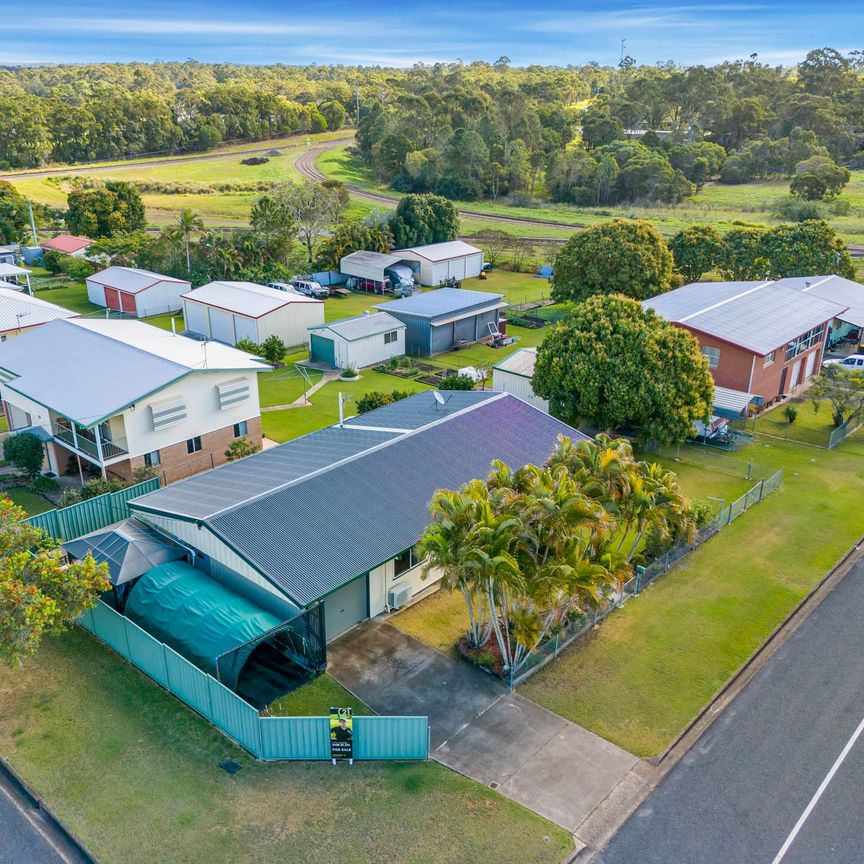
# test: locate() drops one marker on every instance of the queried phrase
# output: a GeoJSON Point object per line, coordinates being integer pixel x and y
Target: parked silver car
{"type": "Point", "coordinates": [310, 288]}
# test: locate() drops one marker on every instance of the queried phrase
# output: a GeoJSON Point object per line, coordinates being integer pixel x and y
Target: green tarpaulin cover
{"type": "Point", "coordinates": [197, 617]}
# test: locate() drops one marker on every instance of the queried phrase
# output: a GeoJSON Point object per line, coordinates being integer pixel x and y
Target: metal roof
{"type": "Point", "coordinates": [131, 279]}
{"type": "Point", "coordinates": [237, 482]}
{"type": "Point", "coordinates": [314, 535]}
{"type": "Point", "coordinates": [420, 410]}
{"type": "Point", "coordinates": [371, 259]}
{"type": "Point", "coordinates": [757, 316]}
{"type": "Point", "coordinates": [441, 302]}
{"type": "Point", "coordinates": [521, 362]}
{"type": "Point", "coordinates": [67, 243]}
{"type": "Point", "coordinates": [443, 251]}
{"type": "Point", "coordinates": [834, 288]}
{"type": "Point", "coordinates": [13, 270]}
{"type": "Point", "coordinates": [20, 311]}
{"type": "Point", "coordinates": [103, 366]}
{"type": "Point", "coordinates": [732, 404]}
{"type": "Point", "coordinates": [362, 326]}
{"type": "Point", "coordinates": [246, 298]}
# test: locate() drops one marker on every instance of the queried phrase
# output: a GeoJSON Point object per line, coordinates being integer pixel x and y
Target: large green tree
{"type": "Point", "coordinates": [743, 255]}
{"type": "Point", "coordinates": [621, 256]}
{"type": "Point", "coordinates": [615, 365]}
{"type": "Point", "coordinates": [805, 249]}
{"type": "Point", "coordinates": [39, 594]}
{"type": "Point", "coordinates": [352, 236]}
{"type": "Point", "coordinates": [103, 212]}
{"type": "Point", "coordinates": [422, 219]}
{"type": "Point", "coordinates": [312, 208]}
{"type": "Point", "coordinates": [696, 250]}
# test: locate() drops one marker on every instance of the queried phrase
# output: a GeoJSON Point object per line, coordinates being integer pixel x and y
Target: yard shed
{"type": "Point", "coordinates": [68, 244]}
{"type": "Point", "coordinates": [455, 259]}
{"type": "Point", "coordinates": [364, 340]}
{"type": "Point", "coordinates": [376, 271]}
{"type": "Point", "coordinates": [136, 292]}
{"type": "Point", "coordinates": [231, 311]}
{"type": "Point", "coordinates": [12, 276]}
{"type": "Point", "coordinates": [514, 374]}
{"type": "Point", "coordinates": [438, 321]}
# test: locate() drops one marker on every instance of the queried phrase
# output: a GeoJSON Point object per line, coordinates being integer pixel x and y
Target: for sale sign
{"type": "Point", "coordinates": [341, 734]}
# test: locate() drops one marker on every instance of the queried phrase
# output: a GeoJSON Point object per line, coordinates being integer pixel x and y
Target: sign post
{"type": "Point", "coordinates": [341, 735]}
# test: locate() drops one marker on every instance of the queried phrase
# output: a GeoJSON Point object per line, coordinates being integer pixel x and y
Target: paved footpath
{"type": "Point", "coordinates": [778, 778]}
{"type": "Point", "coordinates": [478, 728]}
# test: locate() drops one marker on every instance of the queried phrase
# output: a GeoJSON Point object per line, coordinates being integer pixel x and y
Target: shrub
{"type": "Point", "coordinates": [25, 451]}
{"type": "Point", "coordinates": [249, 347]}
{"type": "Point", "coordinates": [51, 261]}
{"type": "Point", "coordinates": [239, 448]}
{"type": "Point", "coordinates": [371, 401]}
{"type": "Point", "coordinates": [457, 382]}
{"type": "Point", "coordinates": [70, 497]}
{"type": "Point", "coordinates": [43, 485]}
{"type": "Point", "coordinates": [142, 473]}
{"type": "Point", "coordinates": [273, 349]}
{"type": "Point", "coordinates": [790, 412]}
{"type": "Point", "coordinates": [485, 660]}
{"type": "Point", "coordinates": [350, 371]}
{"type": "Point", "coordinates": [97, 486]}
{"type": "Point", "coordinates": [76, 268]}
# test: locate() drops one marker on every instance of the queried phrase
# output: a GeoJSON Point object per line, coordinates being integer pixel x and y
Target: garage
{"type": "Point", "coordinates": [112, 298]}
{"type": "Point", "coordinates": [358, 342]}
{"type": "Point", "coordinates": [347, 607]}
{"type": "Point", "coordinates": [438, 261]}
{"type": "Point", "coordinates": [136, 292]}
{"type": "Point", "coordinates": [231, 311]}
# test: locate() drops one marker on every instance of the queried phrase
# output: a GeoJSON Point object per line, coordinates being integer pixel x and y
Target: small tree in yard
{"type": "Point", "coordinates": [621, 256]}
{"type": "Point", "coordinates": [312, 208]}
{"type": "Point", "coordinates": [619, 366]}
{"type": "Point", "coordinates": [39, 594]}
{"type": "Point", "coordinates": [239, 448]}
{"type": "Point", "coordinates": [25, 451]}
{"type": "Point", "coordinates": [843, 389]}
{"type": "Point", "coordinates": [273, 349]}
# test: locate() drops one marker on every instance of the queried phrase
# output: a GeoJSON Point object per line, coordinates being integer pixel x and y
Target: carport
{"type": "Point", "coordinates": [236, 641]}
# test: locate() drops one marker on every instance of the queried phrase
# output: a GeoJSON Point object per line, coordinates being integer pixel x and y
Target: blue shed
{"type": "Point", "coordinates": [446, 318]}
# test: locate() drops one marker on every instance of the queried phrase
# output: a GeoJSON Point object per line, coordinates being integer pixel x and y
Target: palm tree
{"type": "Point", "coordinates": [188, 225]}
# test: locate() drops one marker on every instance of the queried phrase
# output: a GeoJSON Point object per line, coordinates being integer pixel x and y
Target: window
{"type": "Point", "coordinates": [804, 341]}
{"type": "Point", "coordinates": [152, 459]}
{"type": "Point", "coordinates": [713, 355]}
{"type": "Point", "coordinates": [769, 359]}
{"type": "Point", "coordinates": [406, 560]}
{"type": "Point", "coordinates": [193, 445]}
{"type": "Point", "coordinates": [240, 429]}
{"type": "Point", "coordinates": [390, 337]}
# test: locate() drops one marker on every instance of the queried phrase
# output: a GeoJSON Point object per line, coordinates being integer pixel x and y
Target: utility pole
{"type": "Point", "coordinates": [623, 43]}
{"type": "Point", "coordinates": [33, 224]}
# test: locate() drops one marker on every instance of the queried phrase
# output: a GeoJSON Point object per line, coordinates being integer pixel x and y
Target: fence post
{"type": "Point", "coordinates": [749, 470]}
{"type": "Point", "coordinates": [761, 488]}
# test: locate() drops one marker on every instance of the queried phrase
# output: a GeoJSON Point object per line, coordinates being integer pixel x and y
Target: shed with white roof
{"type": "Point", "coordinates": [437, 261]}
{"type": "Point", "coordinates": [136, 292]}
{"type": "Point", "coordinates": [231, 311]}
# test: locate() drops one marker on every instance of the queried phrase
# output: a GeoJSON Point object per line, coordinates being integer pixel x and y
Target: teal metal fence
{"type": "Point", "coordinates": [69, 523]}
{"type": "Point", "coordinates": [269, 738]}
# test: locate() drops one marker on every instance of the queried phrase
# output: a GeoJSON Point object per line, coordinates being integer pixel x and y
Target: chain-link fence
{"type": "Point", "coordinates": [642, 578]}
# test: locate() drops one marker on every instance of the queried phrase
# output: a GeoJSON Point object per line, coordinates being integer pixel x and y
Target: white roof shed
{"type": "Point", "coordinates": [231, 311]}
{"type": "Point", "coordinates": [454, 259]}
{"type": "Point", "coordinates": [513, 375]}
{"type": "Point", "coordinates": [136, 292]}
{"type": "Point", "coordinates": [364, 340]}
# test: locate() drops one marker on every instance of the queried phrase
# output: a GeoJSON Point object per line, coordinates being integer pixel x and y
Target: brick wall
{"type": "Point", "coordinates": [177, 462]}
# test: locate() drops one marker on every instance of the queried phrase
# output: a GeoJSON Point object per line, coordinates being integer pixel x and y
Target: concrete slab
{"type": "Point", "coordinates": [500, 739]}
{"type": "Point", "coordinates": [535, 757]}
{"type": "Point", "coordinates": [393, 673]}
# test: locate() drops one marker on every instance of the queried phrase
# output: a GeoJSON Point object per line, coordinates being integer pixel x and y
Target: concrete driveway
{"type": "Point", "coordinates": [478, 728]}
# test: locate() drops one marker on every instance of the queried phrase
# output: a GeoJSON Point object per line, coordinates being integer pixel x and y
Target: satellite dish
{"type": "Point", "coordinates": [439, 398]}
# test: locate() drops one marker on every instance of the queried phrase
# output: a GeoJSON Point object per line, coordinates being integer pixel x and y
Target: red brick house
{"type": "Point", "coordinates": [762, 337]}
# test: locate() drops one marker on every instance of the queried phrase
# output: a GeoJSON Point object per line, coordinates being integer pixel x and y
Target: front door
{"type": "Point", "coordinates": [783, 380]}
{"type": "Point", "coordinates": [796, 371]}
{"type": "Point", "coordinates": [811, 362]}
{"type": "Point", "coordinates": [346, 607]}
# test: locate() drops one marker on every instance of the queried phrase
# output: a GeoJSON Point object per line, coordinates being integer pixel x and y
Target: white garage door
{"type": "Point", "coordinates": [245, 328]}
{"type": "Point", "coordinates": [196, 318]}
{"type": "Point", "coordinates": [457, 268]}
{"type": "Point", "coordinates": [222, 326]}
{"type": "Point", "coordinates": [346, 607]}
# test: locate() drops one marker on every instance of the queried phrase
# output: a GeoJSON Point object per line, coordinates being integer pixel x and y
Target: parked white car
{"type": "Point", "coordinates": [310, 288]}
{"type": "Point", "coordinates": [282, 286]}
{"type": "Point", "coordinates": [853, 361]}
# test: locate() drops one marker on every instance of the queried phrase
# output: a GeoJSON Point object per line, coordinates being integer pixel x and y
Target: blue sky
{"type": "Point", "coordinates": [401, 33]}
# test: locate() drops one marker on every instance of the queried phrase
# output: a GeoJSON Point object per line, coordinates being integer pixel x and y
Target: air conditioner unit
{"type": "Point", "coordinates": [399, 595]}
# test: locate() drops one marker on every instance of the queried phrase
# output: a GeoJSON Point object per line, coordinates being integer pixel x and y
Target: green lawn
{"type": "Point", "coordinates": [324, 410]}
{"type": "Point", "coordinates": [438, 620]}
{"type": "Point", "coordinates": [810, 427]}
{"type": "Point", "coordinates": [315, 698]}
{"type": "Point", "coordinates": [71, 296]}
{"type": "Point", "coordinates": [30, 502]}
{"type": "Point", "coordinates": [135, 775]}
{"type": "Point", "coordinates": [649, 668]}
{"type": "Point", "coordinates": [283, 386]}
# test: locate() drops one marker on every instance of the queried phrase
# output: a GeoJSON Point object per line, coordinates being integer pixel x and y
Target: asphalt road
{"type": "Point", "coordinates": [749, 791]}
{"type": "Point", "coordinates": [20, 841]}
